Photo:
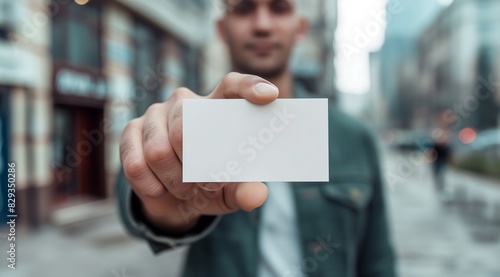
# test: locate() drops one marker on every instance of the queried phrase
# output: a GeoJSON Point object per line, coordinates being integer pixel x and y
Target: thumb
{"type": "Point", "coordinates": [245, 196]}
{"type": "Point", "coordinates": [250, 87]}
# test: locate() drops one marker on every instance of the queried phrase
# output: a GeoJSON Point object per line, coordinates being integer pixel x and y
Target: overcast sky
{"type": "Point", "coordinates": [360, 31]}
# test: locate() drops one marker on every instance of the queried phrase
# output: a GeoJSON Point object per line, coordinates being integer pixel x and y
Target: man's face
{"type": "Point", "coordinates": [260, 34]}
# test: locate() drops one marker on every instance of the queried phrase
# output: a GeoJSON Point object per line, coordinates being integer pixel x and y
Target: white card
{"type": "Point", "coordinates": [232, 140]}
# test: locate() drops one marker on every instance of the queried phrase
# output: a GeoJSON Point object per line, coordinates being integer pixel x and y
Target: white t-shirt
{"type": "Point", "coordinates": [279, 242]}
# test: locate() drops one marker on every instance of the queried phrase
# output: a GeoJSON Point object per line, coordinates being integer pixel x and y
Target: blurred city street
{"type": "Point", "coordinates": [440, 239]}
{"type": "Point", "coordinates": [97, 248]}
{"type": "Point", "coordinates": [432, 238]}
{"type": "Point", "coordinates": [423, 75]}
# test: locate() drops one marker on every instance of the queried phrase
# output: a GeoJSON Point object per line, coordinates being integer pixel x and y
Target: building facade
{"type": "Point", "coordinates": [72, 74]}
{"type": "Point", "coordinates": [406, 20]}
{"type": "Point", "coordinates": [313, 60]}
{"type": "Point", "coordinates": [459, 66]}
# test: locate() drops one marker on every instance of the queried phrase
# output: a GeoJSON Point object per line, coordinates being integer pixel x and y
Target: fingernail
{"type": "Point", "coordinates": [265, 88]}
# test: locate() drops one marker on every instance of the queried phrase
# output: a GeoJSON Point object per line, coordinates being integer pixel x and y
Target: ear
{"type": "Point", "coordinates": [302, 29]}
{"type": "Point", "coordinates": [221, 30]}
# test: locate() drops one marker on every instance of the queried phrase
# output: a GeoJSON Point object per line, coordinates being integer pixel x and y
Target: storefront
{"type": "Point", "coordinates": [65, 99]}
{"type": "Point", "coordinates": [78, 144]}
{"type": "Point", "coordinates": [93, 45]}
{"type": "Point", "coordinates": [79, 90]}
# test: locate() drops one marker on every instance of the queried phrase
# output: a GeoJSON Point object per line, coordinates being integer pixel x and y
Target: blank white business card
{"type": "Point", "coordinates": [232, 140]}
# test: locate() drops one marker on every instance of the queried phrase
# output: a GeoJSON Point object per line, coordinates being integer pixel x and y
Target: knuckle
{"type": "Point", "coordinates": [155, 154]}
{"type": "Point", "coordinates": [135, 170]}
{"type": "Point", "coordinates": [150, 130]}
{"type": "Point", "coordinates": [181, 93]}
{"type": "Point", "coordinates": [154, 108]}
{"type": "Point", "coordinates": [132, 124]}
{"type": "Point", "coordinates": [225, 207]}
{"type": "Point", "coordinates": [250, 80]}
{"type": "Point", "coordinates": [227, 204]}
{"type": "Point", "coordinates": [231, 77]}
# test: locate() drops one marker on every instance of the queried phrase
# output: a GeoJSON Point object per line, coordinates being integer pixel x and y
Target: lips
{"type": "Point", "coordinates": [262, 47]}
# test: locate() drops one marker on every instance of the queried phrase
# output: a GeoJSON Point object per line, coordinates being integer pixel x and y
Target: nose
{"type": "Point", "coordinates": [263, 20]}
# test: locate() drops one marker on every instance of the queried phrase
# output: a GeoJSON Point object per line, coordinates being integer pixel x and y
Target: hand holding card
{"type": "Point", "coordinates": [151, 152]}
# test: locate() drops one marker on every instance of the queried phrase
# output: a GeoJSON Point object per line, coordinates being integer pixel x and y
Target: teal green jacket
{"type": "Point", "coordinates": [342, 223]}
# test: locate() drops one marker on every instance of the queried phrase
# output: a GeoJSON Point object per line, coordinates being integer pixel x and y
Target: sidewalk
{"type": "Point", "coordinates": [99, 248]}
{"type": "Point", "coordinates": [433, 239]}
{"type": "Point", "coordinates": [480, 193]}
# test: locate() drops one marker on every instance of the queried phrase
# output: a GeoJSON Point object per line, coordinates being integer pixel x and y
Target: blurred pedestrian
{"type": "Point", "coordinates": [442, 150]}
{"type": "Point", "coordinates": [336, 228]}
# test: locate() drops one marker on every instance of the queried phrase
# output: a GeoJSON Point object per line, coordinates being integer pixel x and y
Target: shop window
{"type": "Point", "coordinates": [148, 83]}
{"type": "Point", "coordinates": [76, 34]}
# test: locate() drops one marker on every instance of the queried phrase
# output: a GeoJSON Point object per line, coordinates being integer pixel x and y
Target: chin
{"type": "Point", "coordinates": [265, 69]}
{"type": "Point", "coordinates": [265, 73]}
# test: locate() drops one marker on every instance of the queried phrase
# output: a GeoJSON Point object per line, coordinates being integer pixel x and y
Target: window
{"type": "Point", "coordinates": [76, 35]}
{"type": "Point", "coordinates": [6, 18]}
{"type": "Point", "coordinates": [148, 82]}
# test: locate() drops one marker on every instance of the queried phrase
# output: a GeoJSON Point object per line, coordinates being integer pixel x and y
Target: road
{"type": "Point", "coordinates": [432, 238]}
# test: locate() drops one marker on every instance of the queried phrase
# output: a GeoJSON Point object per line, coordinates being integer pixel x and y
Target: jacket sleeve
{"type": "Point", "coordinates": [129, 207]}
{"type": "Point", "coordinates": [376, 257]}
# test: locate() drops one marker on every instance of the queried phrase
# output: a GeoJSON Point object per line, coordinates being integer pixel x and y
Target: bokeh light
{"type": "Point", "coordinates": [467, 135]}
{"type": "Point", "coordinates": [81, 2]}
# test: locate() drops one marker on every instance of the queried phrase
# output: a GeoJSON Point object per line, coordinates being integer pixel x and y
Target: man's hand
{"type": "Point", "coordinates": [151, 155]}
